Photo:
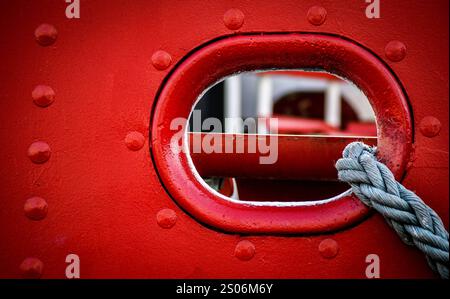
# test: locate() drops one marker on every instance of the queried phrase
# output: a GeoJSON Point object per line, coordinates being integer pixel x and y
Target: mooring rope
{"type": "Point", "coordinates": [415, 222]}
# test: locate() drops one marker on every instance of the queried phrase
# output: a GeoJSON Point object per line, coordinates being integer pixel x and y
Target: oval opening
{"type": "Point", "coordinates": [274, 136]}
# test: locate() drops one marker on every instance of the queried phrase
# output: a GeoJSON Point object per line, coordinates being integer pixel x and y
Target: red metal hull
{"type": "Point", "coordinates": [105, 199]}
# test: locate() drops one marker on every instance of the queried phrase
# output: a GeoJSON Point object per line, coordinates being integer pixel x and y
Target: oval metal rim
{"type": "Point", "coordinates": [230, 55]}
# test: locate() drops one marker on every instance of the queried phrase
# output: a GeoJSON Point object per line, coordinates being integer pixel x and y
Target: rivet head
{"type": "Point", "coordinates": [31, 268]}
{"type": "Point", "coordinates": [430, 126]}
{"type": "Point", "coordinates": [134, 140]}
{"type": "Point", "coordinates": [39, 152]}
{"type": "Point", "coordinates": [35, 208]}
{"type": "Point", "coordinates": [46, 35]}
{"type": "Point", "coordinates": [43, 95]}
{"type": "Point", "coordinates": [166, 218]}
{"type": "Point", "coordinates": [161, 60]}
{"type": "Point", "coordinates": [328, 248]}
{"type": "Point", "coordinates": [317, 15]}
{"type": "Point", "coordinates": [395, 51]}
{"type": "Point", "coordinates": [245, 250]}
{"type": "Point", "coordinates": [233, 19]}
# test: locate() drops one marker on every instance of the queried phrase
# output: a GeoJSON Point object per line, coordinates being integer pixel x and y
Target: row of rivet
{"type": "Point", "coordinates": [36, 208]}
{"type": "Point", "coordinates": [233, 19]}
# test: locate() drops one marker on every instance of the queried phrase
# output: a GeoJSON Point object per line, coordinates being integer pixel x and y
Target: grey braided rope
{"type": "Point", "coordinates": [415, 222]}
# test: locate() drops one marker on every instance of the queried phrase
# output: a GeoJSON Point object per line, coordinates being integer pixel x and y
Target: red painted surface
{"type": "Point", "coordinates": [305, 126]}
{"type": "Point", "coordinates": [299, 157]}
{"type": "Point", "coordinates": [297, 125]}
{"type": "Point", "coordinates": [287, 190]}
{"type": "Point", "coordinates": [363, 129]}
{"type": "Point", "coordinates": [296, 73]}
{"type": "Point", "coordinates": [103, 198]}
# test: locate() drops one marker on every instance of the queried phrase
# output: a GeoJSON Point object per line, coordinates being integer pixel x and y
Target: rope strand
{"type": "Point", "coordinates": [415, 222]}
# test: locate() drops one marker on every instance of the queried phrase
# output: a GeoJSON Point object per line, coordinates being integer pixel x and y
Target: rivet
{"type": "Point", "coordinates": [45, 34]}
{"type": "Point", "coordinates": [161, 60]}
{"type": "Point", "coordinates": [35, 208]}
{"type": "Point", "coordinates": [317, 15]}
{"type": "Point", "coordinates": [166, 218]}
{"type": "Point", "coordinates": [134, 140]}
{"type": "Point", "coordinates": [245, 250]}
{"type": "Point", "coordinates": [43, 95]}
{"type": "Point", "coordinates": [328, 248]}
{"type": "Point", "coordinates": [430, 126]}
{"type": "Point", "coordinates": [31, 268]}
{"type": "Point", "coordinates": [233, 19]}
{"type": "Point", "coordinates": [39, 152]}
{"type": "Point", "coordinates": [395, 51]}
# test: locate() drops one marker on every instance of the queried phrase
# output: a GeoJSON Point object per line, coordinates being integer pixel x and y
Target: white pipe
{"type": "Point", "coordinates": [233, 104]}
{"type": "Point", "coordinates": [333, 105]}
{"type": "Point", "coordinates": [264, 102]}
